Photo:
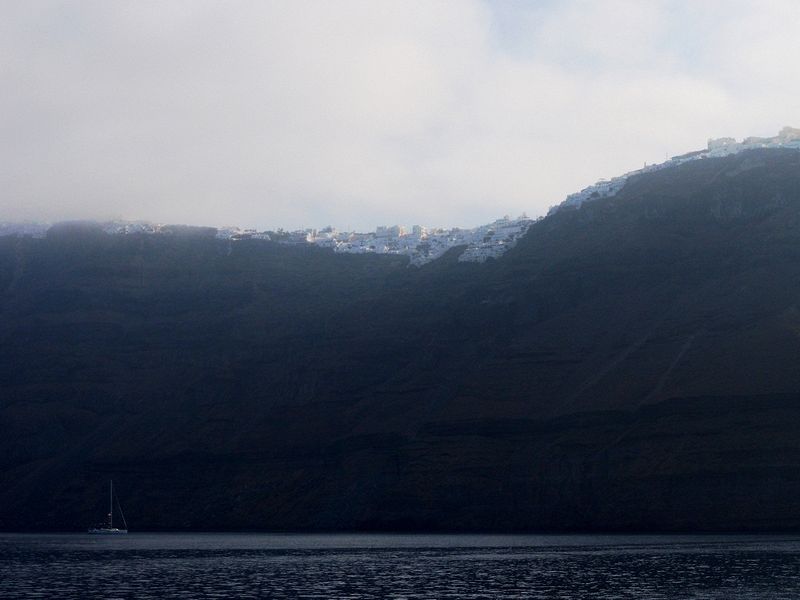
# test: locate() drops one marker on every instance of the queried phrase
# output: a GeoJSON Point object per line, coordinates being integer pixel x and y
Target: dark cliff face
{"type": "Point", "coordinates": [629, 365]}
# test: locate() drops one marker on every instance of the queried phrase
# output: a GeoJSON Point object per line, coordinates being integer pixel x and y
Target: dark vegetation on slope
{"type": "Point", "coordinates": [633, 364]}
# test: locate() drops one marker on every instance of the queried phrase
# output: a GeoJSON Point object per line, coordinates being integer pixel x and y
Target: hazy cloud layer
{"type": "Point", "coordinates": [298, 113]}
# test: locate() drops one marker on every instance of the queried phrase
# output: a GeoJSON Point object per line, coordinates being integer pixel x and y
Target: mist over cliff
{"type": "Point", "coordinates": [630, 364]}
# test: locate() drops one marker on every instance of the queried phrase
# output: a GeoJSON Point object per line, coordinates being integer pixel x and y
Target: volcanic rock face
{"type": "Point", "coordinates": [630, 364]}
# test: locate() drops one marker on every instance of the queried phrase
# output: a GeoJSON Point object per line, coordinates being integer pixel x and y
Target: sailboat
{"type": "Point", "coordinates": [108, 528]}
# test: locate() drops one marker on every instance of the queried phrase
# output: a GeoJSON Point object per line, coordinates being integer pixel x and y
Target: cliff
{"type": "Point", "coordinates": [629, 364]}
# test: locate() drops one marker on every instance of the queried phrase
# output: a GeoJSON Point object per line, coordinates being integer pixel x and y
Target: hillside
{"type": "Point", "coordinates": [629, 364]}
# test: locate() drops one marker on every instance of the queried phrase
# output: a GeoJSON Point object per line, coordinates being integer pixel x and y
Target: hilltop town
{"type": "Point", "coordinates": [788, 137]}
{"type": "Point", "coordinates": [422, 244]}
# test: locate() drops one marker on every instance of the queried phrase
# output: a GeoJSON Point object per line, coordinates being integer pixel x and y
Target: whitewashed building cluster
{"type": "Point", "coordinates": [236, 233]}
{"type": "Point", "coordinates": [423, 244]}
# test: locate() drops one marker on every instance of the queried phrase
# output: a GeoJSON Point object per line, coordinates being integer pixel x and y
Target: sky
{"type": "Point", "coordinates": [306, 113]}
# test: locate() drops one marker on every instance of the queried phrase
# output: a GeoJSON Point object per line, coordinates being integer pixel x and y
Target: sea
{"type": "Point", "coordinates": [222, 565]}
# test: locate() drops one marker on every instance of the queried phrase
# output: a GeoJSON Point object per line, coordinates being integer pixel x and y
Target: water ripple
{"type": "Point", "coordinates": [408, 567]}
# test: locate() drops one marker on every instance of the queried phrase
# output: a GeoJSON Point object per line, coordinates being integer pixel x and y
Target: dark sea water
{"type": "Point", "coordinates": [398, 566]}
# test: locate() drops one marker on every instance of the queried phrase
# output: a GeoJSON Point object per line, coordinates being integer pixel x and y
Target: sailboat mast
{"type": "Point", "coordinates": [111, 504]}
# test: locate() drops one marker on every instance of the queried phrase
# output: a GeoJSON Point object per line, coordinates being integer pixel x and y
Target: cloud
{"type": "Point", "coordinates": [358, 113]}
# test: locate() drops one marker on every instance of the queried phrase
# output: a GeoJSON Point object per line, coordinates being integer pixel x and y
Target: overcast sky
{"type": "Point", "coordinates": [301, 114]}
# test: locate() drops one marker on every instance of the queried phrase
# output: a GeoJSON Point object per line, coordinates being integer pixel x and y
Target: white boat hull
{"type": "Point", "coordinates": [107, 531]}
